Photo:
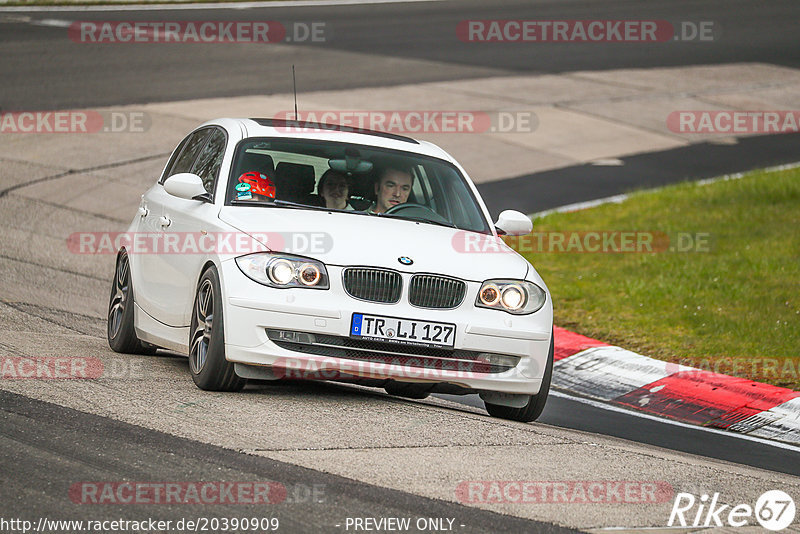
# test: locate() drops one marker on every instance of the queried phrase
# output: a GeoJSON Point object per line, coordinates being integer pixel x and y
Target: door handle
{"type": "Point", "coordinates": [164, 220]}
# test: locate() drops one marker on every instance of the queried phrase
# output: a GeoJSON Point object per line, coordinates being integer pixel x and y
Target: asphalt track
{"type": "Point", "coordinates": [48, 447]}
{"type": "Point", "coordinates": [570, 413]}
{"type": "Point", "coordinates": [363, 47]}
{"type": "Point", "coordinates": [39, 470]}
{"type": "Point", "coordinates": [579, 183]}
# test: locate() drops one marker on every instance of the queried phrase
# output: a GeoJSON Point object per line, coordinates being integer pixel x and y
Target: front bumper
{"type": "Point", "coordinates": [253, 310]}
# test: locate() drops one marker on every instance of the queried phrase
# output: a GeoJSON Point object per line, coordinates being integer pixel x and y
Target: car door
{"type": "Point", "coordinates": [147, 263]}
{"type": "Point", "coordinates": [186, 221]}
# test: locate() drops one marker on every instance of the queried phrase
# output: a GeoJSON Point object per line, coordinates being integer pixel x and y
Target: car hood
{"type": "Point", "coordinates": [359, 239]}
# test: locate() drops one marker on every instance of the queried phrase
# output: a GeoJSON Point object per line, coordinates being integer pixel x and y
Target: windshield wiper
{"type": "Point", "coordinates": [278, 203]}
{"type": "Point", "coordinates": [448, 224]}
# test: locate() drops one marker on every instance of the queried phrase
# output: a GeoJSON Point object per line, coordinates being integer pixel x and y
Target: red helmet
{"type": "Point", "coordinates": [260, 184]}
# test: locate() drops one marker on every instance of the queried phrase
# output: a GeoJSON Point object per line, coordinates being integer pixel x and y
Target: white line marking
{"type": "Point", "coordinates": [222, 5]}
{"type": "Point", "coordinates": [56, 23]}
{"type": "Point", "coordinates": [577, 206]}
{"type": "Point", "coordinates": [607, 162]}
{"type": "Point", "coordinates": [632, 413]}
{"type": "Point", "coordinates": [737, 175]}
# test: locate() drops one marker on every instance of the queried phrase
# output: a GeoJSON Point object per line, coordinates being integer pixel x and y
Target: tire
{"type": "Point", "coordinates": [409, 391]}
{"type": "Point", "coordinates": [532, 410]}
{"type": "Point", "coordinates": [210, 370]}
{"type": "Point", "coordinates": [120, 331]}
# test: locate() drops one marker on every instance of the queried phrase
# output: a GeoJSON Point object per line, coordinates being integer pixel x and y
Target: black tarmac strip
{"type": "Point", "coordinates": [46, 449]}
{"type": "Point", "coordinates": [549, 189]}
{"type": "Point", "coordinates": [571, 413]}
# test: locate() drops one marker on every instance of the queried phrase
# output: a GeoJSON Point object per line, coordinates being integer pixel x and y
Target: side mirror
{"type": "Point", "coordinates": [188, 186]}
{"type": "Point", "coordinates": [512, 222]}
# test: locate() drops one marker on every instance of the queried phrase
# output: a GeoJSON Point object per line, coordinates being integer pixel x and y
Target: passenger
{"type": "Point", "coordinates": [334, 188]}
{"type": "Point", "coordinates": [391, 189]}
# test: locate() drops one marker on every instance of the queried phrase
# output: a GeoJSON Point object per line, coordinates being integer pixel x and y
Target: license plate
{"type": "Point", "coordinates": [397, 330]}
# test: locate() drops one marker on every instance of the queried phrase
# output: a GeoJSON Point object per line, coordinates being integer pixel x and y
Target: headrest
{"type": "Point", "coordinates": [252, 162]}
{"type": "Point", "coordinates": [297, 177]}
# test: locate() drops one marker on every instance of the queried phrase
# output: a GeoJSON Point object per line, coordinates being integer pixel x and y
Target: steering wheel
{"type": "Point", "coordinates": [422, 212]}
{"type": "Point", "coordinates": [409, 205]}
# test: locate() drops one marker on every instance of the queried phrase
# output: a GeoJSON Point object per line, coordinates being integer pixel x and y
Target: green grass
{"type": "Point", "coordinates": [734, 309]}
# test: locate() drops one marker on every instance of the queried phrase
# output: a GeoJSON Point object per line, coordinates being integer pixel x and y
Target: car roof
{"type": "Point", "coordinates": [308, 125]}
{"type": "Point", "coordinates": [258, 127]}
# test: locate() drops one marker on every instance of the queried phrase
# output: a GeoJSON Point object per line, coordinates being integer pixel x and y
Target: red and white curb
{"type": "Point", "coordinates": [620, 377]}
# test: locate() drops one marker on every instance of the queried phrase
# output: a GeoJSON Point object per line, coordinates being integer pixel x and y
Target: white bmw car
{"type": "Point", "coordinates": [270, 250]}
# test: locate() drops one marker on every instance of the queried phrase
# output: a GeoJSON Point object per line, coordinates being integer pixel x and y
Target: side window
{"type": "Point", "coordinates": [191, 146]}
{"type": "Point", "coordinates": [210, 159]}
{"type": "Point", "coordinates": [175, 155]}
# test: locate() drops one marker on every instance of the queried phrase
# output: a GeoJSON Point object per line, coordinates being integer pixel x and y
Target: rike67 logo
{"type": "Point", "coordinates": [774, 510]}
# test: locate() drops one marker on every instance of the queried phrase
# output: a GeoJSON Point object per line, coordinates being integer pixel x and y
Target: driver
{"type": "Point", "coordinates": [391, 189]}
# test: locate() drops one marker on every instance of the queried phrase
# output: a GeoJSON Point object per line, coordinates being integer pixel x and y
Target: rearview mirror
{"type": "Point", "coordinates": [349, 164]}
{"type": "Point", "coordinates": [186, 185]}
{"type": "Point", "coordinates": [512, 222]}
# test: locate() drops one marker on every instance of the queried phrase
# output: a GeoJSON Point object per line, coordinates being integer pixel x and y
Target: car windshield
{"type": "Point", "coordinates": [356, 179]}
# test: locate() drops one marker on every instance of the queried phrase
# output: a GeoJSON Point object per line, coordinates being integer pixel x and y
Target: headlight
{"type": "Point", "coordinates": [309, 274]}
{"type": "Point", "coordinates": [513, 296]}
{"type": "Point", "coordinates": [489, 294]}
{"type": "Point", "coordinates": [283, 270]}
{"type": "Point", "coordinates": [280, 271]}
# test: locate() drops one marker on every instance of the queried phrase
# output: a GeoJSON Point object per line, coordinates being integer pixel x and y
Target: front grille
{"type": "Point", "coordinates": [432, 291]}
{"type": "Point", "coordinates": [393, 354]}
{"type": "Point", "coordinates": [374, 285]}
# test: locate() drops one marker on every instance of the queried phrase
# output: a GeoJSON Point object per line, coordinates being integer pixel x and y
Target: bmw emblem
{"type": "Point", "coordinates": [405, 260]}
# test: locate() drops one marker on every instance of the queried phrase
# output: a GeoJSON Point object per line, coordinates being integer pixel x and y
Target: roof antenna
{"type": "Point", "coordinates": [294, 83]}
